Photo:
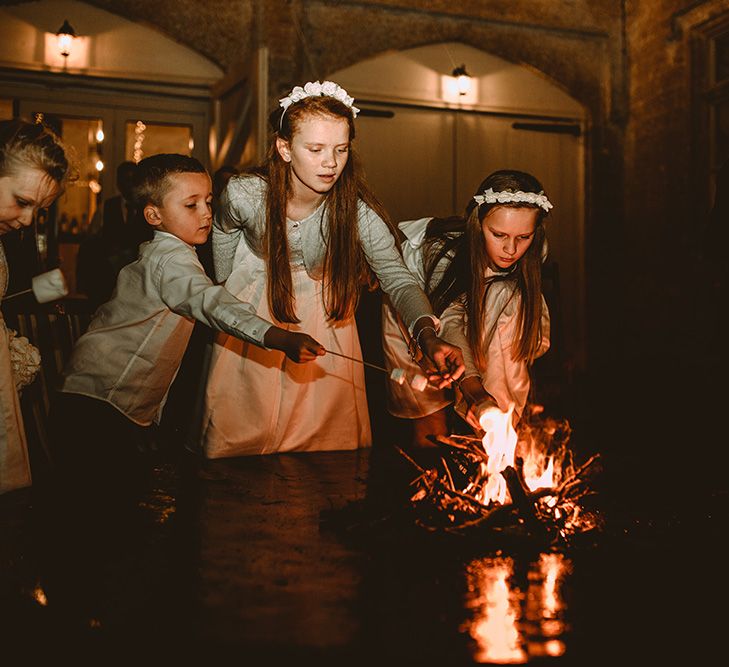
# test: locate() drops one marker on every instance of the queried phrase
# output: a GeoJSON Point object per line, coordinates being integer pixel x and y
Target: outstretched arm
{"type": "Point", "coordinates": [187, 291]}
{"type": "Point", "coordinates": [298, 347]}
{"type": "Point", "coordinates": [408, 298]}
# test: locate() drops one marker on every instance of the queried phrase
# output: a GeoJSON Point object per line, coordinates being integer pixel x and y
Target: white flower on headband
{"type": "Point", "coordinates": [506, 197]}
{"type": "Point", "coordinates": [315, 89]}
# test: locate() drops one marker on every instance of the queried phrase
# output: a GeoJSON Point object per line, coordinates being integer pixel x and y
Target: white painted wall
{"type": "Point", "coordinates": [416, 75]}
{"type": "Point", "coordinates": [108, 45]}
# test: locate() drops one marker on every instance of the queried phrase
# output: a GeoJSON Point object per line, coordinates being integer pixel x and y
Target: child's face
{"type": "Point", "coordinates": [186, 208]}
{"type": "Point", "coordinates": [317, 153]}
{"type": "Point", "coordinates": [508, 233]}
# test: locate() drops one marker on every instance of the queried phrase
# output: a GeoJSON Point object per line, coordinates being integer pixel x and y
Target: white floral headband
{"type": "Point", "coordinates": [315, 89]}
{"type": "Point", "coordinates": [506, 197]}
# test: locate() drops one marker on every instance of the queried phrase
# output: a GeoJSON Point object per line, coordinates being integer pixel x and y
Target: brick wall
{"type": "Point", "coordinates": [665, 210]}
{"type": "Point", "coordinates": [621, 59]}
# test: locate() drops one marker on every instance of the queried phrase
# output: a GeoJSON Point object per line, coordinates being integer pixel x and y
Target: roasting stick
{"type": "Point", "coordinates": [418, 382]}
{"type": "Point", "coordinates": [360, 361]}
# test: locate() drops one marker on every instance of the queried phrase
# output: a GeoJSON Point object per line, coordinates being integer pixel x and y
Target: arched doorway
{"type": "Point", "coordinates": [425, 152]}
{"type": "Point", "coordinates": [125, 91]}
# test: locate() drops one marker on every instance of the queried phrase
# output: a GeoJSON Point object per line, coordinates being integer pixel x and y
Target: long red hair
{"type": "Point", "coordinates": [345, 265]}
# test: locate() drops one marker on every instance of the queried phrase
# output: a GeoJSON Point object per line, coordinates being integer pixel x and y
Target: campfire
{"type": "Point", "coordinates": [525, 480]}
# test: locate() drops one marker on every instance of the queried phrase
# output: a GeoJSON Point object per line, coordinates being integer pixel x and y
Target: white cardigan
{"type": "Point", "coordinates": [242, 212]}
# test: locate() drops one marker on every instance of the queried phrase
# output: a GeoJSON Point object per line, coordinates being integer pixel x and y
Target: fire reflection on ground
{"type": "Point", "coordinates": [515, 619]}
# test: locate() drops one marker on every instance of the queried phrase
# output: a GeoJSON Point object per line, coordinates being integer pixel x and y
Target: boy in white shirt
{"type": "Point", "coordinates": [116, 382]}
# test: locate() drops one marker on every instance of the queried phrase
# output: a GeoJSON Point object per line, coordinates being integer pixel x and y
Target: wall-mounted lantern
{"type": "Point", "coordinates": [463, 80]}
{"type": "Point", "coordinates": [65, 36]}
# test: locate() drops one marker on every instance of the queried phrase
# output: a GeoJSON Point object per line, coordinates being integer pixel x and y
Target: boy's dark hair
{"type": "Point", "coordinates": [151, 180]}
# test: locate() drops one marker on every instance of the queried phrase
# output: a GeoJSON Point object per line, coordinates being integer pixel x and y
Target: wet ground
{"type": "Point", "coordinates": [306, 559]}
{"type": "Point", "coordinates": [296, 558]}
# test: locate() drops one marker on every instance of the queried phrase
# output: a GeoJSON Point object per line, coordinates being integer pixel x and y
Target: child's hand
{"type": "Point", "coordinates": [302, 348]}
{"type": "Point", "coordinates": [478, 401]}
{"type": "Point", "coordinates": [298, 347]}
{"type": "Point", "coordinates": [446, 358]}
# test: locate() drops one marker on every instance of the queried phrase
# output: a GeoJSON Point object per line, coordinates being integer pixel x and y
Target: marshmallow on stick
{"type": "Point", "coordinates": [46, 287]}
{"type": "Point", "coordinates": [49, 286]}
{"type": "Point", "coordinates": [419, 382]}
{"type": "Point", "coordinates": [398, 375]}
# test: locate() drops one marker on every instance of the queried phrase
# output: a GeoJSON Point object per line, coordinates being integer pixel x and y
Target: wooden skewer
{"type": "Point", "coordinates": [360, 361]}
{"type": "Point", "coordinates": [10, 296]}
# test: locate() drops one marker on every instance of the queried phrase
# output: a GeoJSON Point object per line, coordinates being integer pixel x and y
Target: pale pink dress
{"type": "Point", "coordinates": [260, 402]}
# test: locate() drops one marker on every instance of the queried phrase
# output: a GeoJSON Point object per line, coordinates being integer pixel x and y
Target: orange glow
{"type": "Point", "coordinates": [497, 610]}
{"type": "Point", "coordinates": [534, 463]}
{"type": "Point", "coordinates": [501, 443]}
{"type": "Point", "coordinates": [552, 568]}
{"type": "Point", "coordinates": [512, 626]}
{"type": "Point", "coordinates": [39, 595]}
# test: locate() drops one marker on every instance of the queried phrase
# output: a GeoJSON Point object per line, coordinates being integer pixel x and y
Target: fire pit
{"type": "Point", "coordinates": [525, 482]}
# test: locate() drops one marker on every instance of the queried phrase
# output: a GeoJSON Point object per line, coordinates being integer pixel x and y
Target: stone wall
{"type": "Point", "coordinates": [666, 191]}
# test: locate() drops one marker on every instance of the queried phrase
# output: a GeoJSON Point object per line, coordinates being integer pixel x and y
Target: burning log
{"type": "Point", "coordinates": [480, 483]}
{"type": "Point", "coordinates": [518, 492]}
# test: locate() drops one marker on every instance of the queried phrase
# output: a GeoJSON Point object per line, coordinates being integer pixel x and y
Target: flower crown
{"type": "Point", "coordinates": [506, 197]}
{"type": "Point", "coordinates": [315, 89]}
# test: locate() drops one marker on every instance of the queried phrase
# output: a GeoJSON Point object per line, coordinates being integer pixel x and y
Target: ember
{"type": "Point", "coordinates": [526, 479]}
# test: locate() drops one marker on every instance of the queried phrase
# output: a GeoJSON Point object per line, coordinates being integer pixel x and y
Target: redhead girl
{"type": "Point", "coordinates": [482, 273]}
{"type": "Point", "coordinates": [33, 170]}
{"type": "Point", "coordinates": [298, 238]}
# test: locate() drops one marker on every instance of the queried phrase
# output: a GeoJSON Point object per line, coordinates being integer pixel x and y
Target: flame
{"type": "Point", "coordinates": [544, 480]}
{"type": "Point", "coordinates": [39, 595]}
{"type": "Point", "coordinates": [501, 443]}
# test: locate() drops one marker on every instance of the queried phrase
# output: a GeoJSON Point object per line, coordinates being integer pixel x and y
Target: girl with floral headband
{"type": "Point", "coordinates": [482, 273]}
{"type": "Point", "coordinates": [298, 237]}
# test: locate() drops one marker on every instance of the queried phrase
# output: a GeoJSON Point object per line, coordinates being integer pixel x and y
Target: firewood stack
{"type": "Point", "coordinates": [448, 496]}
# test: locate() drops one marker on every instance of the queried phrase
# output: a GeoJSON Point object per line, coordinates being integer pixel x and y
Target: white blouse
{"type": "Point", "coordinates": [135, 343]}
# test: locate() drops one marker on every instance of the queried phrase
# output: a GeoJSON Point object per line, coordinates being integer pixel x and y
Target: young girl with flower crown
{"type": "Point", "coordinates": [482, 273]}
{"type": "Point", "coordinates": [297, 238]}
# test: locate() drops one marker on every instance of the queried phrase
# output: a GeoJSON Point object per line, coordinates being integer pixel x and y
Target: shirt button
{"type": "Point", "coordinates": [296, 224]}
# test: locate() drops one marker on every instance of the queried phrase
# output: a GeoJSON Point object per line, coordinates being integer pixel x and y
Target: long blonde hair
{"type": "Point", "coordinates": [345, 265]}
